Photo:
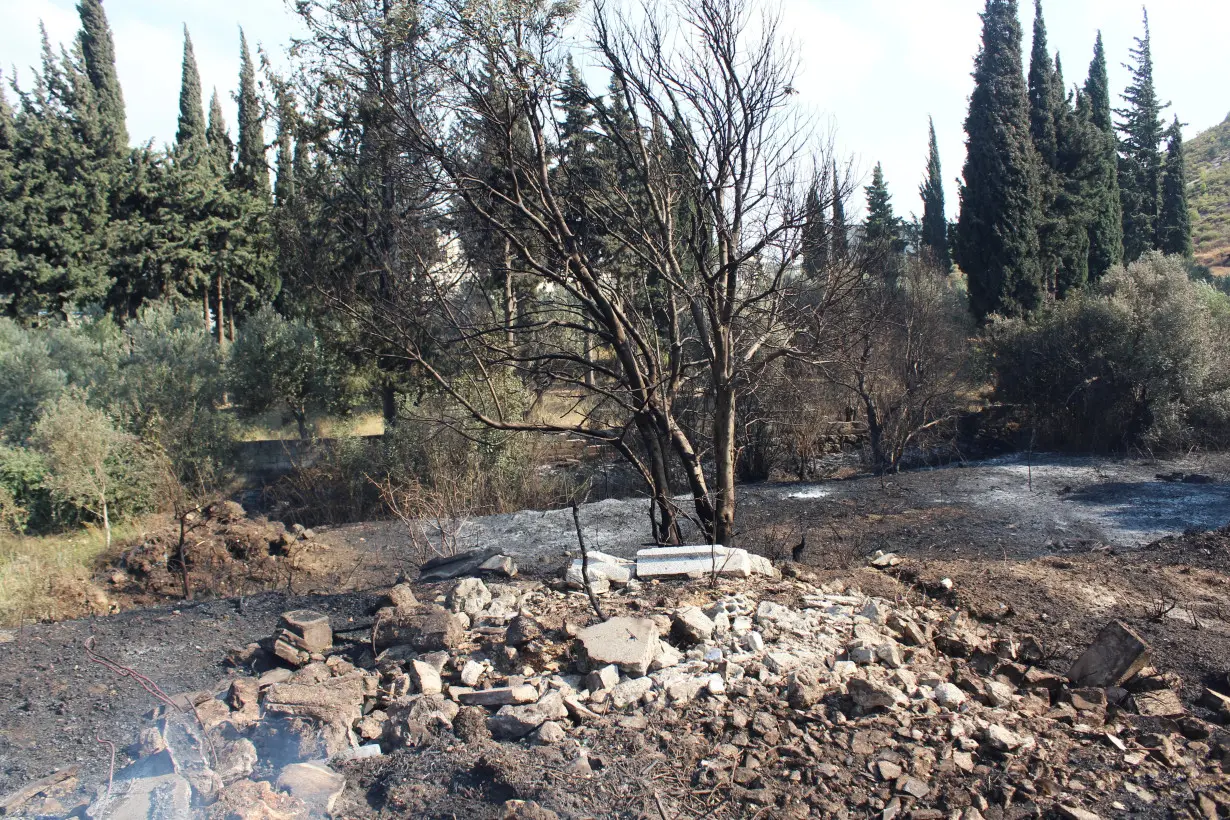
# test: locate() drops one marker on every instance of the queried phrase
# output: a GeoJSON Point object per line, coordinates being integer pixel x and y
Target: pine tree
{"type": "Point", "coordinates": [882, 226]}
{"type": "Point", "coordinates": [1105, 209]}
{"type": "Point", "coordinates": [98, 49]}
{"type": "Point", "coordinates": [1174, 222]}
{"type": "Point", "coordinates": [1140, 165]}
{"type": "Point", "coordinates": [190, 137]}
{"type": "Point", "coordinates": [934, 223]}
{"type": "Point", "coordinates": [251, 170]}
{"type": "Point", "coordinates": [997, 231]}
{"type": "Point", "coordinates": [840, 236]}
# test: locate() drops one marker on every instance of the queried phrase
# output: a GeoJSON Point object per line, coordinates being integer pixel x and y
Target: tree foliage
{"type": "Point", "coordinates": [997, 230]}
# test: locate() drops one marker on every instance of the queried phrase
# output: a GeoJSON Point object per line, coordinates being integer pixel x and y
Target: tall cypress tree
{"type": "Point", "coordinates": [1174, 222]}
{"type": "Point", "coordinates": [841, 239]}
{"type": "Point", "coordinates": [934, 224]}
{"type": "Point", "coordinates": [815, 238]}
{"type": "Point", "coordinates": [1045, 97]}
{"type": "Point", "coordinates": [997, 230]}
{"type": "Point", "coordinates": [284, 181]}
{"type": "Point", "coordinates": [1105, 208]}
{"type": "Point", "coordinates": [1042, 93]}
{"type": "Point", "coordinates": [1140, 165]}
{"type": "Point", "coordinates": [251, 171]}
{"type": "Point", "coordinates": [218, 137]}
{"type": "Point", "coordinates": [190, 136]}
{"type": "Point", "coordinates": [98, 49]}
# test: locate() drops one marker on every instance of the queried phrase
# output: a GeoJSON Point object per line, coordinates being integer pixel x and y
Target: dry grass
{"type": "Point", "coordinates": [50, 577]}
{"type": "Point", "coordinates": [274, 427]}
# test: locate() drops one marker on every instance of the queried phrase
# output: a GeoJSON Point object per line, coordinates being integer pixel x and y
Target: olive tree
{"type": "Point", "coordinates": [85, 455]}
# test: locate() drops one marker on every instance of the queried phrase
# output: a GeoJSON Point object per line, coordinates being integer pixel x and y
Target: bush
{"type": "Point", "coordinates": [1137, 360]}
{"type": "Point", "coordinates": [90, 464]}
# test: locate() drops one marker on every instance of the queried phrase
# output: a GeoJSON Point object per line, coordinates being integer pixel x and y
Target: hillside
{"type": "Point", "coordinates": [1208, 166]}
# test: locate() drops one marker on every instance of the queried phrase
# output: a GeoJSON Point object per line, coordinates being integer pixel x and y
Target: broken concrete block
{"type": "Point", "coordinates": [691, 625]}
{"type": "Point", "coordinates": [1115, 656]}
{"type": "Point", "coordinates": [503, 696]}
{"type": "Point", "coordinates": [629, 643]}
{"type": "Point", "coordinates": [310, 627]}
{"type": "Point", "coordinates": [692, 562]}
{"type": "Point", "coordinates": [602, 567]}
{"type": "Point", "coordinates": [314, 783]}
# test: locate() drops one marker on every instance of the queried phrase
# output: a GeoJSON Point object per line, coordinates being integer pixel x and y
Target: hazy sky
{"type": "Point", "coordinates": [874, 69]}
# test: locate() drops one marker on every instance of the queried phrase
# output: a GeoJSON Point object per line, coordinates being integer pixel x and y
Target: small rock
{"type": "Point", "coordinates": [949, 695]}
{"type": "Point", "coordinates": [550, 733]}
{"type": "Point", "coordinates": [469, 595]}
{"type": "Point", "coordinates": [871, 695]}
{"type": "Point", "coordinates": [521, 630]}
{"type": "Point", "coordinates": [1000, 739]}
{"type": "Point", "coordinates": [425, 677]}
{"type": "Point", "coordinates": [515, 722]}
{"type": "Point", "coordinates": [691, 625]}
{"type": "Point", "coordinates": [472, 673]}
{"type": "Point", "coordinates": [630, 691]}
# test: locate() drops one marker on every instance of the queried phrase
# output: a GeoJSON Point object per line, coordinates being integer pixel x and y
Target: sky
{"type": "Point", "coordinates": [871, 70]}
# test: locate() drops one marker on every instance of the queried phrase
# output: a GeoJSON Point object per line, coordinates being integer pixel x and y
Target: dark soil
{"type": "Point", "coordinates": [1060, 587]}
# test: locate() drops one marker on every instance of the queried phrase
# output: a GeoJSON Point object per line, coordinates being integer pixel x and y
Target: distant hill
{"type": "Point", "coordinates": [1208, 172]}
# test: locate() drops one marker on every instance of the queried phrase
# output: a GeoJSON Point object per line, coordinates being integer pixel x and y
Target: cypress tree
{"type": "Point", "coordinates": [934, 224]}
{"type": "Point", "coordinates": [815, 237]}
{"type": "Point", "coordinates": [190, 136]}
{"type": "Point", "coordinates": [1140, 165]}
{"type": "Point", "coordinates": [251, 171]}
{"type": "Point", "coordinates": [1174, 222]}
{"type": "Point", "coordinates": [284, 181]}
{"type": "Point", "coordinates": [218, 138]}
{"type": "Point", "coordinates": [1042, 93]}
{"type": "Point", "coordinates": [98, 49]}
{"type": "Point", "coordinates": [1105, 208]}
{"type": "Point", "coordinates": [997, 230]}
{"type": "Point", "coordinates": [841, 239]}
{"type": "Point", "coordinates": [882, 226]}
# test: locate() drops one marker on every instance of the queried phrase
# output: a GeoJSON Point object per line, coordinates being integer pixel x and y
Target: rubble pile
{"type": "Point", "coordinates": [786, 696]}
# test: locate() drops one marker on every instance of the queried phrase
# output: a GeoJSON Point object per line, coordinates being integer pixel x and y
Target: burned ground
{"type": "Point", "coordinates": [1057, 575]}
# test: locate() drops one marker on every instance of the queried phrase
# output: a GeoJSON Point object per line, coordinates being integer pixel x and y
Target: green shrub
{"type": "Point", "coordinates": [1137, 360]}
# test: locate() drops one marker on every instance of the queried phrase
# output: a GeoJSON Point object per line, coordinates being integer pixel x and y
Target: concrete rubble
{"type": "Point", "coordinates": [898, 709]}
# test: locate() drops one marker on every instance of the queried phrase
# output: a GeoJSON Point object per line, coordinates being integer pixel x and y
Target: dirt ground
{"type": "Point", "coordinates": [1053, 547]}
